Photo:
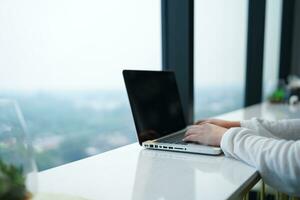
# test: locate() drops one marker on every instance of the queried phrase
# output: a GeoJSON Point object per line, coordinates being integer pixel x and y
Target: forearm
{"type": "Point", "coordinates": [276, 160]}
{"type": "Point", "coordinates": [232, 124]}
{"type": "Point", "coordinates": [285, 129]}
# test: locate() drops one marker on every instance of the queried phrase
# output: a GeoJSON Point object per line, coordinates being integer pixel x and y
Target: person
{"type": "Point", "coordinates": [272, 147]}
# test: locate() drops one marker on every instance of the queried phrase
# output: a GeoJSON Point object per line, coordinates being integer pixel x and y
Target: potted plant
{"type": "Point", "coordinates": [12, 183]}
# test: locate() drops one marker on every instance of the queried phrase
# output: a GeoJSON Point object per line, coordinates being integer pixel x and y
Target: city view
{"type": "Point", "coordinates": [70, 125]}
{"type": "Point", "coordinates": [63, 65]}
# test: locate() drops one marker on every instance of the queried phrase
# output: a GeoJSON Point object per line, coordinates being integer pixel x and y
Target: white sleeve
{"type": "Point", "coordinates": [284, 129]}
{"type": "Point", "coordinates": [278, 161]}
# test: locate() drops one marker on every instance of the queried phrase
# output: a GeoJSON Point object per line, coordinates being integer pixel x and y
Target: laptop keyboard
{"type": "Point", "coordinates": [174, 139]}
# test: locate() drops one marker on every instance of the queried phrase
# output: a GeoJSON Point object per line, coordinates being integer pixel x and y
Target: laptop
{"type": "Point", "coordinates": [157, 112]}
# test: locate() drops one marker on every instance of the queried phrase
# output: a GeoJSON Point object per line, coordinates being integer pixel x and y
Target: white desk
{"type": "Point", "coordinates": [134, 173]}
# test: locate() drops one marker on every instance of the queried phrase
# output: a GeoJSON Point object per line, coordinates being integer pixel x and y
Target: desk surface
{"type": "Point", "coordinates": [132, 172]}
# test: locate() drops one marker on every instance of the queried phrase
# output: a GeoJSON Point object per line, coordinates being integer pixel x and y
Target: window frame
{"type": "Point", "coordinates": [178, 49]}
{"type": "Point", "coordinates": [255, 52]}
{"type": "Point", "coordinates": [286, 43]}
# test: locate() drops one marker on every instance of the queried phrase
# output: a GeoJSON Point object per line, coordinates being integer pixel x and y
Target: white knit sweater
{"type": "Point", "coordinates": [272, 147]}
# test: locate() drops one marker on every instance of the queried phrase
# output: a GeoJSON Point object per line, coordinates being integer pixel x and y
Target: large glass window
{"type": "Point", "coordinates": [272, 46]}
{"type": "Point", "coordinates": [220, 55]}
{"type": "Point", "coordinates": [62, 60]}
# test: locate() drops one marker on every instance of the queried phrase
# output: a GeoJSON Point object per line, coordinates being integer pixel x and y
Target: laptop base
{"type": "Point", "coordinates": [188, 148]}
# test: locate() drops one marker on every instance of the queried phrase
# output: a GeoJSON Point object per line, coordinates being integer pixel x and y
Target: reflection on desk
{"type": "Point", "coordinates": [132, 172]}
{"type": "Point", "coordinates": [169, 175]}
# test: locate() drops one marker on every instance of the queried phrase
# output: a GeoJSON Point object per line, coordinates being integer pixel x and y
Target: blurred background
{"type": "Point", "coordinates": [62, 60]}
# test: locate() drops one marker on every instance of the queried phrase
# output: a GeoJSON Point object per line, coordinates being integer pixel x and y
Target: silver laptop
{"type": "Point", "coordinates": [157, 112]}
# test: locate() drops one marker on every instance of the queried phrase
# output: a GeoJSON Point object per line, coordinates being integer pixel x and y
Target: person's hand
{"type": "Point", "coordinates": [219, 122]}
{"type": "Point", "coordinates": [206, 133]}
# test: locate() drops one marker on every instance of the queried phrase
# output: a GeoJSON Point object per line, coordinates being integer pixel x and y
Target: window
{"type": "Point", "coordinates": [272, 46]}
{"type": "Point", "coordinates": [62, 60]}
{"type": "Point", "coordinates": [220, 56]}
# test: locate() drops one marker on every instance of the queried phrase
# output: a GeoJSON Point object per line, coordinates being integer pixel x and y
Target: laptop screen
{"type": "Point", "coordinates": [155, 103]}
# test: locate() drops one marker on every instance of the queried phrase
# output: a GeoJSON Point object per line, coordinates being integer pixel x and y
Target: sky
{"type": "Point", "coordinates": [76, 44]}
{"type": "Point", "coordinates": [220, 42]}
{"type": "Point", "coordinates": [85, 44]}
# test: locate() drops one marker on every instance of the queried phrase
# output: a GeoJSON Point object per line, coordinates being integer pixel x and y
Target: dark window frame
{"type": "Point", "coordinates": [286, 43]}
{"type": "Point", "coordinates": [255, 52]}
{"type": "Point", "coordinates": [178, 48]}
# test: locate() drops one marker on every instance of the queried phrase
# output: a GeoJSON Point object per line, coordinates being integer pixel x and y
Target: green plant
{"type": "Point", "coordinates": [277, 96]}
{"type": "Point", "coordinates": [12, 182]}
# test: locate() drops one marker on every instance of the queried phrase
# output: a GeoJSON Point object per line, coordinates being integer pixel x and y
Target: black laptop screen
{"type": "Point", "coordinates": [155, 103]}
